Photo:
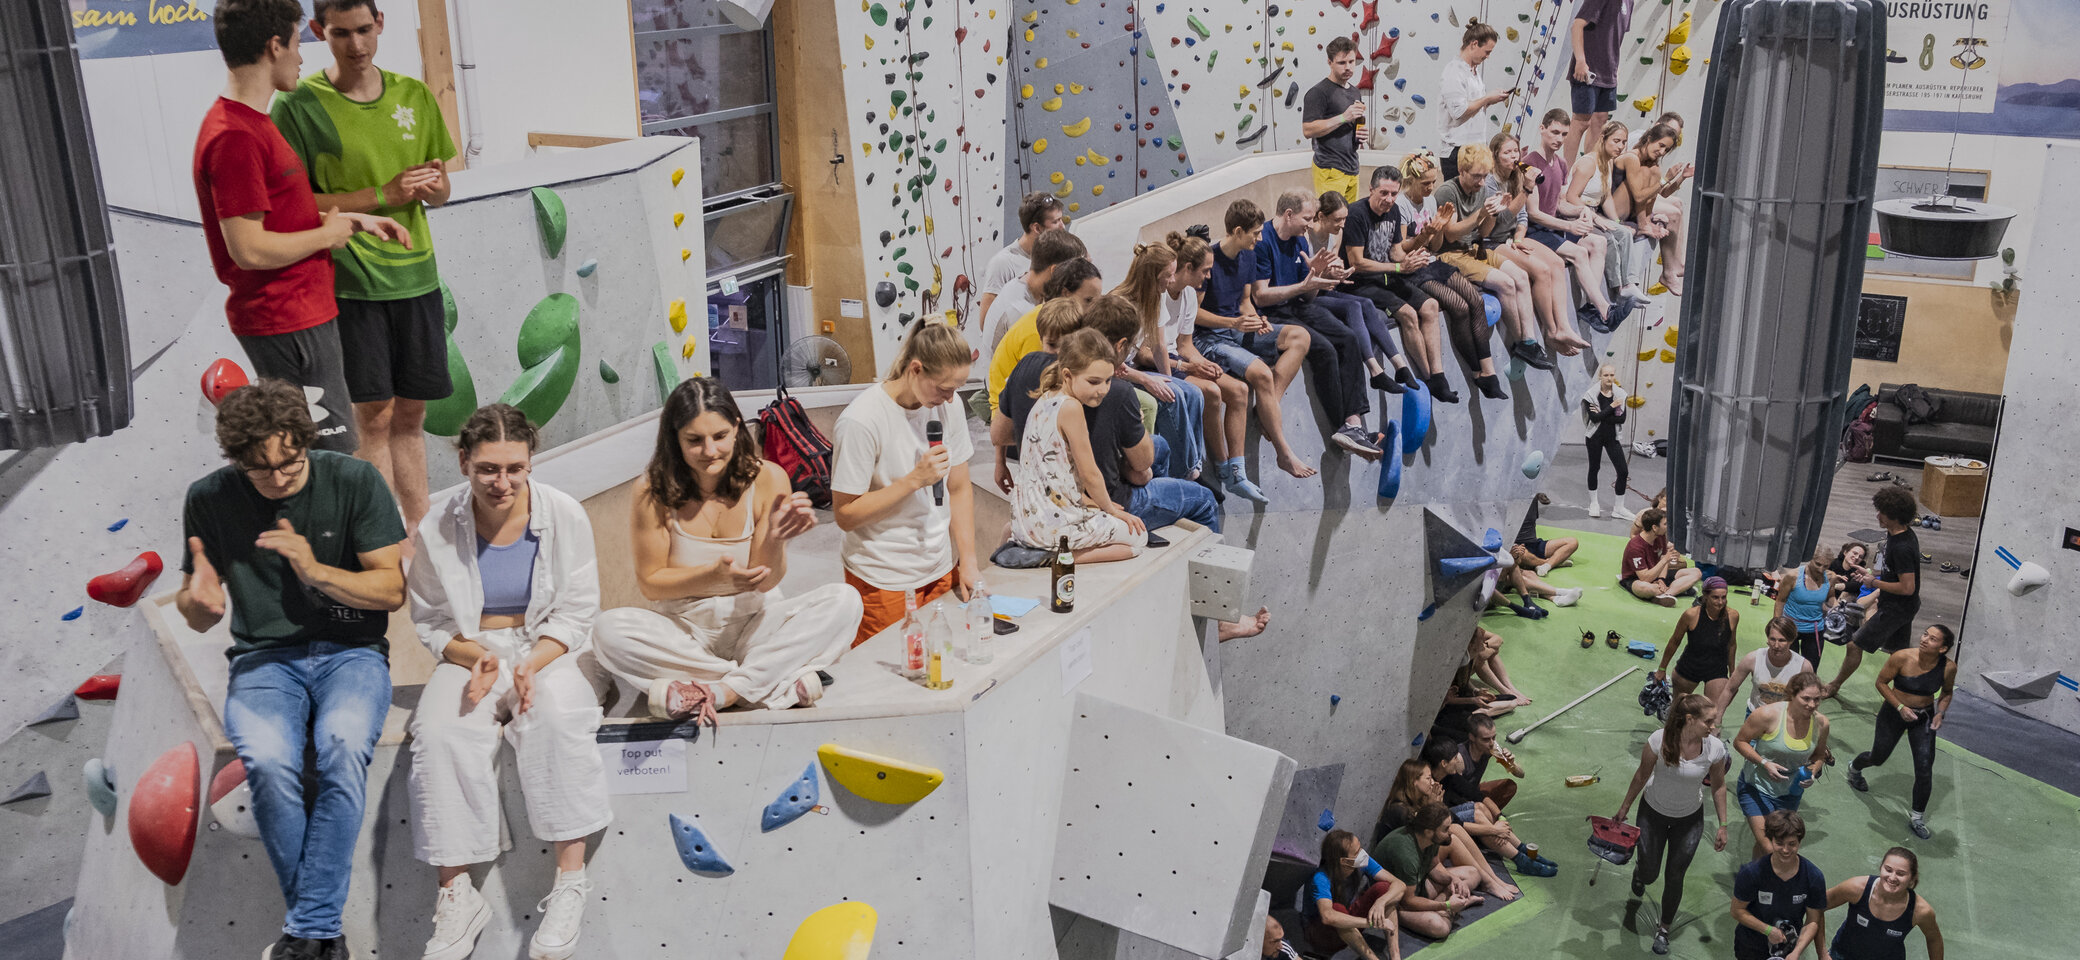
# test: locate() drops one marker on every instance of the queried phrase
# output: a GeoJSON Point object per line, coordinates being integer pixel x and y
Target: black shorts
{"type": "Point", "coordinates": [1551, 238]}
{"type": "Point", "coordinates": [1587, 100]}
{"type": "Point", "coordinates": [1698, 671]}
{"type": "Point", "coordinates": [1885, 627]}
{"type": "Point", "coordinates": [1375, 289]}
{"type": "Point", "coordinates": [310, 358]}
{"type": "Point", "coordinates": [395, 348]}
{"type": "Point", "coordinates": [1536, 545]}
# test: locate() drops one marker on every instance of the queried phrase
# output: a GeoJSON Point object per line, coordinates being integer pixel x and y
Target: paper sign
{"type": "Point", "coordinates": [853, 309]}
{"type": "Point", "coordinates": [645, 766]}
{"type": "Point", "coordinates": [1076, 659]}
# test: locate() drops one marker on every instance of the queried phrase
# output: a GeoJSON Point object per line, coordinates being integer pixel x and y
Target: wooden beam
{"type": "Point", "coordinates": [437, 59]}
{"type": "Point", "coordinates": [536, 138]}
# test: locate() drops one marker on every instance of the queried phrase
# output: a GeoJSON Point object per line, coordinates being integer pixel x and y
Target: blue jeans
{"type": "Point", "coordinates": [1181, 422]}
{"type": "Point", "coordinates": [1233, 352]}
{"type": "Point", "coordinates": [1166, 499]}
{"type": "Point", "coordinates": [325, 699]}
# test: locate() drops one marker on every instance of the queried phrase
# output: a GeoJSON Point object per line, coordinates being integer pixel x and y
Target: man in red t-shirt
{"type": "Point", "coordinates": [267, 240]}
{"type": "Point", "coordinates": [1653, 569]}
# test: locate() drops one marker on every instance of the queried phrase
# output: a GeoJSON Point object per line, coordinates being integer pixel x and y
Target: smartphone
{"type": "Point", "coordinates": [1004, 625]}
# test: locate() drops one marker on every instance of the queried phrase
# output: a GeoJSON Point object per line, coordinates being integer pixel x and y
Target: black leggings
{"type": "Point", "coordinates": [1678, 836]}
{"type": "Point", "coordinates": [1466, 318]}
{"type": "Point", "coordinates": [1920, 739]}
{"type": "Point", "coordinates": [1809, 647]}
{"type": "Point", "coordinates": [1604, 442]}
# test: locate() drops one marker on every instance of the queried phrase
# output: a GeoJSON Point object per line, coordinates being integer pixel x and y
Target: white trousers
{"type": "Point", "coordinates": [455, 757]}
{"type": "Point", "coordinates": [757, 644]}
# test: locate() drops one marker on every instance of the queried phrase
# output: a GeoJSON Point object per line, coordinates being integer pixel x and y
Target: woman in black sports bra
{"type": "Point", "coordinates": [1882, 909]}
{"type": "Point", "coordinates": [1704, 633]}
{"type": "Point", "coordinates": [1911, 683]}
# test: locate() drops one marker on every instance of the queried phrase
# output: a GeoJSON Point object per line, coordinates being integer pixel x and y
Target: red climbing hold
{"type": "Point", "coordinates": [961, 284]}
{"type": "Point", "coordinates": [1187, 88]}
{"type": "Point", "coordinates": [163, 809]}
{"type": "Point", "coordinates": [231, 800]}
{"type": "Point", "coordinates": [978, 93]}
{"type": "Point", "coordinates": [123, 587]}
{"type": "Point", "coordinates": [1385, 49]}
{"type": "Point", "coordinates": [960, 35]}
{"type": "Point", "coordinates": [1365, 81]}
{"type": "Point", "coordinates": [1346, 4]}
{"type": "Point", "coordinates": [101, 686]}
{"type": "Point", "coordinates": [943, 254]}
{"type": "Point", "coordinates": [221, 378]}
{"type": "Point", "coordinates": [1371, 15]}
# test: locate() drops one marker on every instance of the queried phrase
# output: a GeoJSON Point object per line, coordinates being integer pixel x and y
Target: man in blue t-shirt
{"type": "Point", "coordinates": [1289, 275]}
{"type": "Point", "coordinates": [1230, 332]}
{"type": "Point", "coordinates": [1777, 900]}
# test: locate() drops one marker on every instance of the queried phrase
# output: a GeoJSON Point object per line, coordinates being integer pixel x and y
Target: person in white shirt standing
{"type": "Point", "coordinates": [1037, 214]}
{"type": "Point", "coordinates": [1462, 97]}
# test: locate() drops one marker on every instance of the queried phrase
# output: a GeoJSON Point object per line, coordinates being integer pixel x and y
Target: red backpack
{"type": "Point", "coordinates": [787, 438]}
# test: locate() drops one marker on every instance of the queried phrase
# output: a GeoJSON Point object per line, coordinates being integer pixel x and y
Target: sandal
{"type": "Point", "coordinates": [1613, 640]}
{"type": "Point", "coordinates": [1588, 639]}
{"type": "Point", "coordinates": [1878, 477]}
{"type": "Point", "coordinates": [1948, 567]}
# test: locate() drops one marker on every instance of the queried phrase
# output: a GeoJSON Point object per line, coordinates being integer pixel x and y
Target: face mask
{"type": "Point", "coordinates": [1362, 861]}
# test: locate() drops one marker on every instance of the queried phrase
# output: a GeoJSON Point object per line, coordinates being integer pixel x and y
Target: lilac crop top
{"type": "Point", "coordinates": [508, 574]}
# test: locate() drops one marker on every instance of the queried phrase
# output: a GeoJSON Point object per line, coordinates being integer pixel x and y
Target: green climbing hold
{"type": "Point", "coordinates": [927, 23]}
{"type": "Point", "coordinates": [905, 269]}
{"type": "Point", "coordinates": [1176, 143]}
{"type": "Point", "coordinates": [897, 97]}
{"type": "Point", "coordinates": [939, 147]}
{"type": "Point", "coordinates": [667, 370]}
{"type": "Point", "coordinates": [445, 417]}
{"type": "Point", "coordinates": [899, 251]}
{"type": "Point", "coordinates": [1244, 125]}
{"type": "Point", "coordinates": [549, 215]}
{"type": "Point", "coordinates": [1210, 58]}
{"type": "Point", "coordinates": [895, 141]}
{"type": "Point", "coordinates": [608, 373]}
{"type": "Point", "coordinates": [880, 15]}
{"type": "Point", "coordinates": [910, 284]}
{"type": "Point", "coordinates": [548, 358]}
{"type": "Point", "coordinates": [1192, 21]}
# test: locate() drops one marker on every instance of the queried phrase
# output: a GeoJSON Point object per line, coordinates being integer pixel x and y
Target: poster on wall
{"type": "Point", "coordinates": [1896, 182]}
{"type": "Point", "coordinates": [1879, 320]}
{"type": "Point", "coordinates": [1998, 67]}
{"type": "Point", "coordinates": [106, 29]}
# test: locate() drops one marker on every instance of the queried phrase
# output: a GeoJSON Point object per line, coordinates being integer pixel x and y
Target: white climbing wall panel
{"type": "Point", "coordinates": [1161, 822]}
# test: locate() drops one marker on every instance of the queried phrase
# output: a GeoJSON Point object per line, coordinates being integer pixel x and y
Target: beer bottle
{"type": "Point", "coordinates": [1062, 597]}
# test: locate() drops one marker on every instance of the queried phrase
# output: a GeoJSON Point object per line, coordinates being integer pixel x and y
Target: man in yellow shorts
{"type": "Point", "coordinates": [1334, 118]}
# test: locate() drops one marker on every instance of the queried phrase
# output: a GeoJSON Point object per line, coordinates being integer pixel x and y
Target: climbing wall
{"type": "Point", "coordinates": [956, 112]}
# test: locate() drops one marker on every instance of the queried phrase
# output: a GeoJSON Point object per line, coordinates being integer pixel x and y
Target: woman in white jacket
{"type": "Point", "coordinates": [1603, 412]}
{"type": "Point", "coordinates": [504, 589]}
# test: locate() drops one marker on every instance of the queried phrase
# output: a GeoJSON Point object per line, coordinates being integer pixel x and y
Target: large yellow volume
{"type": "Point", "coordinates": [877, 778]}
{"type": "Point", "coordinates": [841, 931]}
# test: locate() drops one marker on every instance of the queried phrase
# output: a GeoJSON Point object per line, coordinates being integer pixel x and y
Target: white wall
{"type": "Point", "coordinates": [550, 66]}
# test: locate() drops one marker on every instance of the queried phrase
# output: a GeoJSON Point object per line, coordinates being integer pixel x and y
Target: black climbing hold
{"type": "Point", "coordinates": [902, 23]}
{"type": "Point", "coordinates": [885, 293]}
{"type": "Point", "coordinates": [1252, 138]}
{"type": "Point", "coordinates": [1292, 92]}
{"type": "Point", "coordinates": [887, 78]}
{"type": "Point", "coordinates": [1271, 79]}
{"type": "Point", "coordinates": [886, 237]}
{"type": "Point", "coordinates": [1272, 10]}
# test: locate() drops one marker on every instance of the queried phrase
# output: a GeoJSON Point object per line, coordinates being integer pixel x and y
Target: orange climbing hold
{"type": "Point", "coordinates": [163, 809]}
{"type": "Point", "coordinates": [123, 587]}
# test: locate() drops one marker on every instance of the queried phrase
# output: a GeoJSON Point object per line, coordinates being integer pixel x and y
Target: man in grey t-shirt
{"type": "Point", "coordinates": [1334, 118]}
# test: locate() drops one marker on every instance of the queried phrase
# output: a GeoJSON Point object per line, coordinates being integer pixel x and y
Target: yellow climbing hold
{"type": "Point", "coordinates": [1055, 177]}
{"type": "Point", "coordinates": [679, 219]}
{"type": "Point", "coordinates": [1242, 90]}
{"type": "Point", "coordinates": [1658, 288]}
{"type": "Point", "coordinates": [1286, 46]}
{"type": "Point", "coordinates": [1075, 207]}
{"type": "Point", "coordinates": [1098, 190]}
{"type": "Point", "coordinates": [1029, 35]}
{"type": "Point", "coordinates": [1645, 355]}
{"type": "Point", "coordinates": [1032, 16]}
{"type": "Point", "coordinates": [953, 318]}
{"type": "Point", "coordinates": [928, 232]}
{"type": "Point", "coordinates": [1074, 88]}
{"type": "Point", "coordinates": [686, 349]}
{"type": "Point", "coordinates": [1645, 105]}
{"type": "Point", "coordinates": [866, 148]}
{"type": "Point", "coordinates": [1040, 64]}
{"type": "Point", "coordinates": [677, 314]}
{"type": "Point", "coordinates": [1068, 186]}
{"type": "Point", "coordinates": [877, 778]}
{"type": "Point", "coordinates": [1668, 356]}
{"type": "Point", "coordinates": [841, 931]}
{"type": "Point", "coordinates": [678, 174]}
{"type": "Point", "coordinates": [1679, 60]}
{"type": "Point", "coordinates": [1635, 401]}
{"type": "Point", "coordinates": [685, 254]}
{"type": "Point", "coordinates": [1680, 33]}
{"type": "Point", "coordinates": [1077, 129]}
{"type": "Point", "coordinates": [1096, 157]}
{"type": "Point", "coordinates": [1051, 104]}
{"type": "Point", "coordinates": [1058, 88]}
{"type": "Point", "coordinates": [1310, 31]}
{"type": "Point", "coordinates": [870, 43]}
{"type": "Point", "coordinates": [1081, 161]}
{"type": "Point", "coordinates": [1026, 90]}
{"type": "Point", "coordinates": [1512, 34]}
{"type": "Point", "coordinates": [1074, 35]}
{"type": "Point", "coordinates": [1670, 336]}
{"type": "Point", "coordinates": [1040, 145]}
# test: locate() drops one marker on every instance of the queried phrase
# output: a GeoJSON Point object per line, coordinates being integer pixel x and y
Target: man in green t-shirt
{"type": "Point", "coordinates": [1436, 892]}
{"type": "Point", "coordinates": [374, 141]}
{"type": "Point", "coordinates": [301, 546]}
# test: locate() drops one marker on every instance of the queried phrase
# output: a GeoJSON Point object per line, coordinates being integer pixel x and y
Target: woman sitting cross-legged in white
{"type": "Point", "coordinates": [709, 523]}
{"type": "Point", "coordinates": [504, 589]}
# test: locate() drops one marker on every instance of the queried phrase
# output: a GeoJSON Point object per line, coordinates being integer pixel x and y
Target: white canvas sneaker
{"type": "Point", "coordinates": [459, 914]}
{"type": "Point", "coordinates": [563, 915]}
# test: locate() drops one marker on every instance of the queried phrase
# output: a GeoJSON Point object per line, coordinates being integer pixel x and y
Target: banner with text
{"type": "Point", "coordinates": [107, 29]}
{"type": "Point", "coordinates": [1944, 54]}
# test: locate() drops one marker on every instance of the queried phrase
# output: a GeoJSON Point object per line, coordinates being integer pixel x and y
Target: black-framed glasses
{"type": "Point", "coordinates": [289, 469]}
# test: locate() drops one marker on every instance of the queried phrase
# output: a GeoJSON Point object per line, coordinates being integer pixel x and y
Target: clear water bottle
{"type": "Point", "coordinates": [938, 648]}
{"type": "Point", "coordinates": [982, 627]}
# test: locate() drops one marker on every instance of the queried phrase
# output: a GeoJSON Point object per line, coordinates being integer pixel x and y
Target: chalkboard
{"type": "Point", "coordinates": [1879, 320]}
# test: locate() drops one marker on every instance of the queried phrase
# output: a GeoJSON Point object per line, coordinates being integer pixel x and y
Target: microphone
{"type": "Point", "coordinates": [935, 435]}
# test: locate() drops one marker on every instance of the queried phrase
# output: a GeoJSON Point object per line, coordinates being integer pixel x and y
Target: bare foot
{"type": "Point", "coordinates": [1502, 891]}
{"type": "Point", "coordinates": [1674, 283]}
{"type": "Point", "coordinates": [1248, 626]}
{"type": "Point", "coordinates": [1291, 464]}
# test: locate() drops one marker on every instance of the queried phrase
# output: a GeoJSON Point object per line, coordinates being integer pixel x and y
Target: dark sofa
{"type": "Point", "coordinates": [1963, 426]}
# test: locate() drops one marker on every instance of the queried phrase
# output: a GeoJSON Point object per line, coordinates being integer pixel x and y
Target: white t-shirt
{"type": "Point", "coordinates": [1678, 791]}
{"type": "Point", "coordinates": [1768, 685]}
{"type": "Point", "coordinates": [1178, 315]}
{"type": "Point", "coordinates": [1005, 266]}
{"type": "Point", "coordinates": [878, 442]}
{"type": "Point", "coordinates": [1414, 217]}
{"type": "Point", "coordinates": [1013, 301]}
{"type": "Point", "coordinates": [1460, 87]}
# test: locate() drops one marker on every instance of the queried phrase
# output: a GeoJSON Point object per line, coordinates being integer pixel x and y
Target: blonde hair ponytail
{"type": "Point", "coordinates": [934, 344]}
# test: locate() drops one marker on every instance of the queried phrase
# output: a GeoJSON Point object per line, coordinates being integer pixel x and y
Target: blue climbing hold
{"type": "Point", "coordinates": [1390, 465]}
{"type": "Point", "coordinates": [1401, 83]}
{"type": "Point", "coordinates": [1144, 82]}
{"type": "Point", "coordinates": [1449, 567]}
{"type": "Point", "coordinates": [1494, 308]}
{"type": "Point", "coordinates": [799, 798]}
{"type": "Point", "coordinates": [696, 851]}
{"type": "Point", "coordinates": [1431, 50]}
{"type": "Point", "coordinates": [1327, 821]}
{"type": "Point", "coordinates": [74, 613]}
{"type": "Point", "coordinates": [1534, 462]}
{"type": "Point", "coordinates": [1399, 130]}
{"type": "Point", "coordinates": [1415, 418]}
{"type": "Point", "coordinates": [118, 525]}
{"type": "Point", "coordinates": [1418, 98]}
{"type": "Point", "coordinates": [1191, 41]}
{"type": "Point", "coordinates": [1334, 699]}
{"type": "Point", "coordinates": [1394, 31]}
{"type": "Point", "coordinates": [1417, 742]}
{"type": "Point", "coordinates": [1427, 612]}
{"type": "Point", "coordinates": [101, 786]}
{"type": "Point", "coordinates": [585, 269]}
{"type": "Point", "coordinates": [1492, 540]}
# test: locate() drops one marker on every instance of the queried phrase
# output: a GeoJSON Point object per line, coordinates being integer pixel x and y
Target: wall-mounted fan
{"type": "Point", "coordinates": [815, 362]}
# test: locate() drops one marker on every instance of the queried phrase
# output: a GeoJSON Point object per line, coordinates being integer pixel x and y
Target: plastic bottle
{"type": "Point", "coordinates": [913, 637]}
{"type": "Point", "coordinates": [938, 647]}
{"type": "Point", "coordinates": [982, 627]}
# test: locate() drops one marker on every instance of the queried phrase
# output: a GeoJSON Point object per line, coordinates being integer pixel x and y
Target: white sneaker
{"type": "Point", "coordinates": [563, 915]}
{"type": "Point", "coordinates": [459, 914]}
{"type": "Point", "coordinates": [1595, 504]}
{"type": "Point", "coordinates": [1567, 597]}
{"type": "Point", "coordinates": [1618, 512]}
{"type": "Point", "coordinates": [1544, 569]}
